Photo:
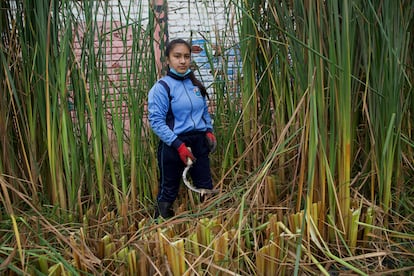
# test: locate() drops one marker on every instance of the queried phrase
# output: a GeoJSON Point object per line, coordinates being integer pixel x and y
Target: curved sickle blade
{"type": "Point", "coordinates": [190, 186]}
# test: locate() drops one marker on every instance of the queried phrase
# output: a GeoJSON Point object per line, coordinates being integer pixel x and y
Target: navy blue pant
{"type": "Point", "coordinates": [171, 167]}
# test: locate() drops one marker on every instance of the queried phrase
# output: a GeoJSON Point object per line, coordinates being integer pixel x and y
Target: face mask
{"type": "Point", "coordinates": [179, 74]}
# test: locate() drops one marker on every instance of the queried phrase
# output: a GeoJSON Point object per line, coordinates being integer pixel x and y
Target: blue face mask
{"type": "Point", "coordinates": [179, 74]}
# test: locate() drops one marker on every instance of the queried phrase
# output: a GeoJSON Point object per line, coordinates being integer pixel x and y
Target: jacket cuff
{"type": "Point", "coordinates": [209, 130]}
{"type": "Point", "coordinates": [176, 143]}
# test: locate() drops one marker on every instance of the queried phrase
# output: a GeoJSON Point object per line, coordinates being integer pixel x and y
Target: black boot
{"type": "Point", "coordinates": [164, 209]}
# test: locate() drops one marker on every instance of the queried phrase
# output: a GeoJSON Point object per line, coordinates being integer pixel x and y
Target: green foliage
{"type": "Point", "coordinates": [315, 137]}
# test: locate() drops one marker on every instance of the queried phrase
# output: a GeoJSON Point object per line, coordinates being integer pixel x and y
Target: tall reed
{"type": "Point", "coordinates": [325, 38]}
{"type": "Point", "coordinates": [387, 91]}
{"type": "Point", "coordinates": [314, 132]}
{"type": "Point", "coordinates": [68, 116]}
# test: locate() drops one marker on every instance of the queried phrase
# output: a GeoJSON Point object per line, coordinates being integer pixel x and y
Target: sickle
{"type": "Point", "coordinates": [187, 183]}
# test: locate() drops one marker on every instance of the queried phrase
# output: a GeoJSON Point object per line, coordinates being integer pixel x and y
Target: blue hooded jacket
{"type": "Point", "coordinates": [188, 106]}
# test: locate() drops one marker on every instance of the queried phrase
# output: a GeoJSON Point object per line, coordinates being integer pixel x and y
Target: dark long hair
{"type": "Point", "coordinates": [191, 76]}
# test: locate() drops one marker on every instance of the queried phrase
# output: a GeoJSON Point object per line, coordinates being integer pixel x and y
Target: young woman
{"type": "Point", "coordinates": [178, 114]}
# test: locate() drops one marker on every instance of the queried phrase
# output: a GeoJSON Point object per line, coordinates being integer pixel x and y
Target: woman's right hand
{"type": "Point", "coordinates": [185, 153]}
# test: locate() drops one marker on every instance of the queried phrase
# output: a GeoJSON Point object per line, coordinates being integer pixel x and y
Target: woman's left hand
{"type": "Point", "coordinates": [211, 140]}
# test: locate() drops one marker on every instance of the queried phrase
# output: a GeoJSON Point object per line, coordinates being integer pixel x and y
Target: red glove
{"type": "Point", "coordinates": [211, 141]}
{"type": "Point", "coordinates": [184, 153]}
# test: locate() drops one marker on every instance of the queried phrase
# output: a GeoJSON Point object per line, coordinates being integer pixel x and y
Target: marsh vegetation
{"type": "Point", "coordinates": [315, 143]}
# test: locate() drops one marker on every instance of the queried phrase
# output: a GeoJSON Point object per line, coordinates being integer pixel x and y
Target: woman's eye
{"type": "Point", "coordinates": [181, 56]}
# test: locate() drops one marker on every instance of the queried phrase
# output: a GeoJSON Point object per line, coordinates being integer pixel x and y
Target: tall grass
{"type": "Point", "coordinates": [315, 141]}
{"type": "Point", "coordinates": [63, 110]}
{"type": "Point", "coordinates": [388, 93]}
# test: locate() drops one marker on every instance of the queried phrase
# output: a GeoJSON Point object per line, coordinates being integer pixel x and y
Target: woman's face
{"type": "Point", "coordinates": [179, 58]}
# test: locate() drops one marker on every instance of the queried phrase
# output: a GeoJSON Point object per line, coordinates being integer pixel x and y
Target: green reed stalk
{"type": "Point", "coordinates": [68, 142]}
{"type": "Point", "coordinates": [144, 75]}
{"type": "Point", "coordinates": [331, 152]}
{"type": "Point", "coordinates": [41, 84]}
{"type": "Point", "coordinates": [44, 20]}
{"type": "Point", "coordinates": [114, 103]}
{"type": "Point", "coordinates": [227, 113]}
{"type": "Point", "coordinates": [344, 48]}
{"type": "Point", "coordinates": [273, 61]}
{"type": "Point", "coordinates": [7, 90]}
{"type": "Point", "coordinates": [77, 99]}
{"type": "Point", "coordinates": [316, 99]}
{"type": "Point", "coordinates": [249, 53]}
{"type": "Point", "coordinates": [280, 77]}
{"type": "Point", "coordinates": [133, 100]}
{"type": "Point", "coordinates": [388, 44]}
{"type": "Point", "coordinates": [312, 131]}
{"type": "Point", "coordinates": [94, 110]}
